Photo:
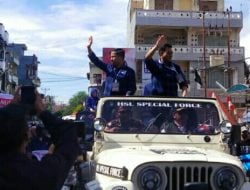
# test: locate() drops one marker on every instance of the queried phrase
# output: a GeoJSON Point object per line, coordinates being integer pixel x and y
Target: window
{"type": "Point", "coordinates": [208, 5]}
{"type": "Point", "coordinates": [213, 40]}
{"type": "Point", "coordinates": [137, 116]}
{"type": "Point", "coordinates": [163, 4]}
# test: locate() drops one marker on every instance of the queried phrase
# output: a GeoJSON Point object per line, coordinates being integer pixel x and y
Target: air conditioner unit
{"type": "Point", "coordinates": [216, 60]}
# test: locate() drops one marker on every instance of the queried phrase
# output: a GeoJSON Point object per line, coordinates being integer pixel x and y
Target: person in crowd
{"type": "Point", "coordinates": [179, 123]}
{"type": "Point", "coordinates": [120, 78]}
{"type": "Point", "coordinates": [18, 171]}
{"type": "Point", "coordinates": [166, 75]}
{"type": "Point", "coordinates": [40, 138]}
{"type": "Point", "coordinates": [245, 137]}
{"type": "Point", "coordinates": [92, 100]}
{"type": "Point", "coordinates": [124, 122]}
{"type": "Point", "coordinates": [39, 141]}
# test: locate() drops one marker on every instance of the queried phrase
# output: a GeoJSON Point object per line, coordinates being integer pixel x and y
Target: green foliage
{"type": "Point", "coordinates": [75, 103]}
{"type": "Point", "coordinates": [78, 108]}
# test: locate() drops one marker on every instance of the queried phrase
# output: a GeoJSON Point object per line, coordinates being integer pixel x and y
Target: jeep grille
{"type": "Point", "coordinates": [180, 173]}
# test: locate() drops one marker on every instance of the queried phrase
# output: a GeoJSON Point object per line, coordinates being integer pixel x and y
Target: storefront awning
{"type": "Point", "coordinates": [237, 88]}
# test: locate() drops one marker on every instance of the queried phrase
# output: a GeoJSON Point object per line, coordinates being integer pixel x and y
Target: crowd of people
{"type": "Point", "coordinates": [58, 138]}
{"type": "Point", "coordinates": [18, 170]}
{"type": "Point", "coordinates": [21, 171]}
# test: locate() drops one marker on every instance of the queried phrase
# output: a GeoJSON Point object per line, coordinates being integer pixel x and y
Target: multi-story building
{"type": "Point", "coordinates": [28, 71]}
{"type": "Point", "coordinates": [11, 77]}
{"type": "Point", "coordinates": [204, 37]}
{"type": "Point", "coordinates": [28, 68]}
{"type": "Point", "coordinates": [4, 38]}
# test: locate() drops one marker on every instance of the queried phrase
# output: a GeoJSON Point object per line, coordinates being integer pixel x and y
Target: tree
{"type": "Point", "coordinates": [75, 103]}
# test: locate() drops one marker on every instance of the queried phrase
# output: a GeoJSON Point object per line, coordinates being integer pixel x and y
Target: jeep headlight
{"type": "Point", "coordinates": [226, 179]}
{"type": "Point", "coordinates": [150, 178]}
{"type": "Point", "coordinates": [99, 124]}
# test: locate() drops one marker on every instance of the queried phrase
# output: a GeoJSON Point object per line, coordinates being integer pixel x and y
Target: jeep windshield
{"type": "Point", "coordinates": [160, 116]}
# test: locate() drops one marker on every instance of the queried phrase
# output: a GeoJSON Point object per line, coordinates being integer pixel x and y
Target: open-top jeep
{"type": "Point", "coordinates": [135, 148]}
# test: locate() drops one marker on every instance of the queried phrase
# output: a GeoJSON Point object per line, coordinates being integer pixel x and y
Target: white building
{"type": "Point", "coordinates": [187, 25]}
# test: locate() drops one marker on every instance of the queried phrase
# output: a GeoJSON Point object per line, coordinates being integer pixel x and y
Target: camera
{"type": "Point", "coordinates": [28, 95]}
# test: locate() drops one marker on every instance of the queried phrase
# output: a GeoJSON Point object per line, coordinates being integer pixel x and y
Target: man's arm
{"type": "Point", "coordinates": [150, 63]}
{"type": "Point", "coordinates": [149, 55]}
{"type": "Point", "coordinates": [184, 91]}
{"type": "Point", "coordinates": [183, 84]}
{"type": "Point", "coordinates": [90, 42]}
{"type": "Point", "coordinates": [93, 58]}
{"type": "Point", "coordinates": [54, 167]}
{"type": "Point", "coordinates": [64, 136]}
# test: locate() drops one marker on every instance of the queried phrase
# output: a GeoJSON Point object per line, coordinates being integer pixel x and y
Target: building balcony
{"type": "Point", "coordinates": [189, 53]}
{"type": "Point", "coordinates": [2, 66]}
{"type": "Point", "coordinates": [36, 81]}
{"type": "Point", "coordinates": [14, 60]}
{"type": "Point", "coordinates": [186, 18]}
{"type": "Point", "coordinates": [12, 79]}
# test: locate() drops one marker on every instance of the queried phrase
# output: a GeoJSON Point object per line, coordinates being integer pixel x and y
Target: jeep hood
{"type": "Point", "coordinates": [131, 157]}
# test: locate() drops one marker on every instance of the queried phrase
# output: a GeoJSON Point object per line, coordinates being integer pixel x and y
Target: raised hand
{"type": "Point", "coordinates": [160, 41]}
{"type": "Point", "coordinates": [90, 42]}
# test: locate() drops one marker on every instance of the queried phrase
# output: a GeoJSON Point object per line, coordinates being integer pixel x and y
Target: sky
{"type": "Point", "coordinates": [57, 31]}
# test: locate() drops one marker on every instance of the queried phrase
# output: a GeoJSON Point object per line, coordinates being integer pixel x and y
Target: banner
{"type": "Point", "coordinates": [5, 99]}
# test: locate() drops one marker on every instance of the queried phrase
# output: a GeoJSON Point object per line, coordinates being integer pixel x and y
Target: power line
{"type": "Point", "coordinates": [65, 80]}
{"type": "Point", "coordinates": [60, 75]}
{"type": "Point", "coordinates": [61, 78]}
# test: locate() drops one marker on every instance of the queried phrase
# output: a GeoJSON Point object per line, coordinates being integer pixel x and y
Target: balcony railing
{"type": "Point", "coordinates": [193, 53]}
{"type": "Point", "coordinates": [185, 18]}
{"type": "Point", "coordinates": [14, 60]}
{"type": "Point", "coordinates": [13, 79]}
{"type": "Point", "coordinates": [187, 14]}
{"type": "Point", "coordinates": [189, 49]}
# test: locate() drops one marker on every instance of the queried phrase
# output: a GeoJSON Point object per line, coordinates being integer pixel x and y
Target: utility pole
{"type": "Point", "coordinates": [204, 54]}
{"type": "Point", "coordinates": [45, 90]}
{"type": "Point", "coordinates": [228, 46]}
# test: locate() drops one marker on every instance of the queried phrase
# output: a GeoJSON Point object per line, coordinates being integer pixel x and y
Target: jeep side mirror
{"type": "Point", "coordinates": [99, 124]}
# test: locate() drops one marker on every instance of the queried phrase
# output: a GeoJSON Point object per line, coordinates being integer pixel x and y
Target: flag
{"type": "Point", "coordinates": [246, 70]}
{"type": "Point", "coordinates": [213, 95]}
{"type": "Point", "coordinates": [230, 105]}
{"type": "Point", "coordinates": [197, 77]}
